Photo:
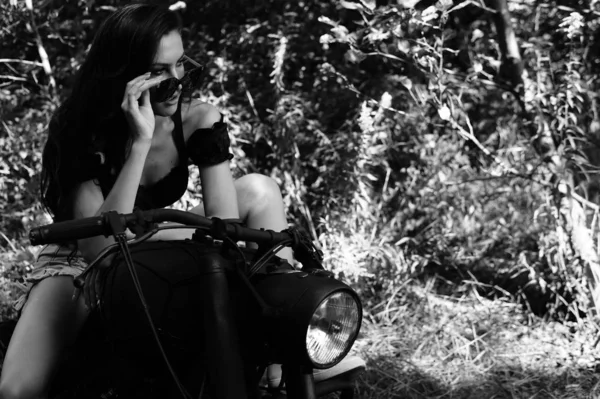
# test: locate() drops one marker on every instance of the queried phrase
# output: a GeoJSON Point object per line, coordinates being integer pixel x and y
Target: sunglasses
{"type": "Point", "coordinates": [189, 82]}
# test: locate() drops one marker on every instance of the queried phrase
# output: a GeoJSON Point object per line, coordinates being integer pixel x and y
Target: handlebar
{"type": "Point", "coordinates": [101, 225]}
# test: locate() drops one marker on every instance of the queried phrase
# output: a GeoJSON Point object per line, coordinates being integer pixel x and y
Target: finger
{"type": "Point", "coordinates": [152, 82]}
{"type": "Point", "coordinates": [138, 79]}
{"type": "Point", "coordinates": [131, 102]}
{"type": "Point", "coordinates": [145, 98]}
{"type": "Point", "coordinates": [143, 84]}
{"type": "Point", "coordinates": [135, 90]}
{"type": "Point", "coordinates": [136, 97]}
{"type": "Point", "coordinates": [132, 84]}
{"type": "Point", "coordinates": [133, 87]}
{"type": "Point", "coordinates": [130, 234]}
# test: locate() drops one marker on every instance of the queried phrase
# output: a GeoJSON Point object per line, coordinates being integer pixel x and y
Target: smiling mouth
{"type": "Point", "coordinates": [173, 97]}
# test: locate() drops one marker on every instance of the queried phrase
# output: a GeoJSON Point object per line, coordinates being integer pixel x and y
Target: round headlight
{"type": "Point", "coordinates": [333, 329]}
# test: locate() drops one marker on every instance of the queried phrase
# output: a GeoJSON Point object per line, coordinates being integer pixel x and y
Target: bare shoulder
{"type": "Point", "coordinates": [198, 115]}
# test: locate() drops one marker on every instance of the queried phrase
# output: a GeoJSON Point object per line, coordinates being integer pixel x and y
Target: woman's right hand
{"type": "Point", "coordinates": [137, 108]}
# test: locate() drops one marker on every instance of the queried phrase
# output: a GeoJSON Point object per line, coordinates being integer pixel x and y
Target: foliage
{"type": "Point", "coordinates": [328, 85]}
{"type": "Point", "coordinates": [401, 144]}
{"type": "Point", "coordinates": [393, 128]}
{"type": "Point", "coordinates": [456, 81]}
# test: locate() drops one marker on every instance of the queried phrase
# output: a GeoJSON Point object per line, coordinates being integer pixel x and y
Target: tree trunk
{"type": "Point", "coordinates": [573, 214]}
{"type": "Point", "coordinates": [511, 68]}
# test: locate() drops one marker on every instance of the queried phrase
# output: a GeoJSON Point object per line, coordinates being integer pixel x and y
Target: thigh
{"type": "Point", "coordinates": [259, 202]}
{"type": "Point", "coordinates": [250, 190]}
{"type": "Point", "coordinates": [49, 322]}
{"type": "Point", "coordinates": [198, 209]}
{"type": "Point", "coordinates": [244, 188]}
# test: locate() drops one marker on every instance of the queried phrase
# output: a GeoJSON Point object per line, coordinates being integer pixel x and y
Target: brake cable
{"type": "Point", "coordinates": [267, 256]}
{"type": "Point", "coordinates": [299, 243]}
{"type": "Point", "coordinates": [118, 230]}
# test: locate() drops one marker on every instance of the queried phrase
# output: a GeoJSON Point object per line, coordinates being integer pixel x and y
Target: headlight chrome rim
{"type": "Point", "coordinates": [333, 328]}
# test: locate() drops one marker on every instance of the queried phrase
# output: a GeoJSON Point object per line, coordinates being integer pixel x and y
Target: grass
{"type": "Point", "coordinates": [432, 346]}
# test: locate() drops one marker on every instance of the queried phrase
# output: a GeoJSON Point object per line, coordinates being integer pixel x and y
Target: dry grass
{"type": "Point", "coordinates": [431, 346]}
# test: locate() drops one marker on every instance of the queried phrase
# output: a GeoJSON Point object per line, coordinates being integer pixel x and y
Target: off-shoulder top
{"type": "Point", "coordinates": [173, 185]}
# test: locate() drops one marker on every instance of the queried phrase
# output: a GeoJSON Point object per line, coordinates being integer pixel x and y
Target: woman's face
{"type": "Point", "coordinates": [168, 62]}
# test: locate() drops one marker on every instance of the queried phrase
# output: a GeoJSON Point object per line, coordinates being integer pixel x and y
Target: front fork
{"type": "Point", "coordinates": [222, 348]}
{"type": "Point", "coordinates": [300, 383]}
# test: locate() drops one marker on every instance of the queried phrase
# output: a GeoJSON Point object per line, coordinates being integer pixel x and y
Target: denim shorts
{"type": "Point", "coordinates": [53, 260]}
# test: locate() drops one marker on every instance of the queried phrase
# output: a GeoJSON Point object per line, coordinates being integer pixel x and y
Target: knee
{"type": "Point", "coordinates": [260, 190]}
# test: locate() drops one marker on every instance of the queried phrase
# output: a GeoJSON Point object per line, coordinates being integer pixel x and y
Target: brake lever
{"type": "Point", "coordinates": [306, 251]}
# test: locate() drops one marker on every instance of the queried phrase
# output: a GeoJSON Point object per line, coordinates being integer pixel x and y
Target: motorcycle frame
{"type": "Point", "coordinates": [299, 376]}
{"type": "Point", "coordinates": [218, 312]}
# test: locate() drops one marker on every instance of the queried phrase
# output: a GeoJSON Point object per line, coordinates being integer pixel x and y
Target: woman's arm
{"type": "Point", "coordinates": [87, 197]}
{"type": "Point", "coordinates": [89, 201]}
{"type": "Point", "coordinates": [218, 190]}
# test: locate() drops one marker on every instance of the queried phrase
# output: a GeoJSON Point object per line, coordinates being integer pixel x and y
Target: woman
{"type": "Point", "coordinates": [115, 145]}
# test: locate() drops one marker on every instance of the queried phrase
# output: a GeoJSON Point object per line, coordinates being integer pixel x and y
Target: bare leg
{"type": "Point", "coordinates": [261, 206]}
{"type": "Point", "coordinates": [49, 322]}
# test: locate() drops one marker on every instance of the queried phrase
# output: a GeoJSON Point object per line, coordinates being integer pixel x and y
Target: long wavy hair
{"type": "Point", "coordinates": [90, 121]}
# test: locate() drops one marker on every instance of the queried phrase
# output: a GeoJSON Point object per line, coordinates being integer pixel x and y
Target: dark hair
{"type": "Point", "coordinates": [90, 121]}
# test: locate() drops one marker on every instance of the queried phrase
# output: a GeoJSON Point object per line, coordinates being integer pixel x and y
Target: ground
{"type": "Point", "coordinates": [420, 344]}
{"type": "Point", "coordinates": [424, 345]}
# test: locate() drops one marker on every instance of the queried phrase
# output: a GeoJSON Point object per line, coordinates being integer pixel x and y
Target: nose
{"type": "Point", "coordinates": [173, 73]}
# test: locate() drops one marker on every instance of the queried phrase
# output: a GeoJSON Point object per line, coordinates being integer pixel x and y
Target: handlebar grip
{"type": "Point", "coordinates": [68, 230]}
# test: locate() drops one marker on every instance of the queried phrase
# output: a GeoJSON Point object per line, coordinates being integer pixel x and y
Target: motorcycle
{"type": "Point", "coordinates": [302, 319]}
